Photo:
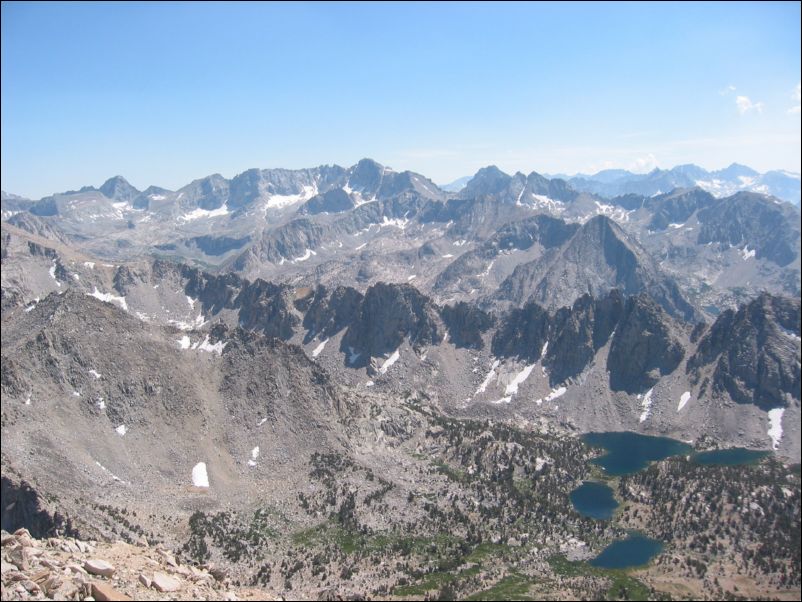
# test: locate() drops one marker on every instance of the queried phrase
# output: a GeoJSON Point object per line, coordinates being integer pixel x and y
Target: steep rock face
{"type": "Point", "coordinates": [579, 332]}
{"type": "Point", "coordinates": [522, 333]}
{"type": "Point", "coordinates": [268, 308]}
{"type": "Point", "coordinates": [217, 245]}
{"type": "Point", "coordinates": [487, 181]}
{"type": "Point", "coordinates": [45, 207]}
{"type": "Point", "coordinates": [465, 324]}
{"type": "Point", "coordinates": [208, 193]}
{"type": "Point", "coordinates": [152, 193]}
{"type": "Point", "coordinates": [34, 225]}
{"type": "Point", "coordinates": [285, 243]}
{"type": "Point", "coordinates": [366, 177]}
{"type": "Point", "coordinates": [520, 235]}
{"type": "Point", "coordinates": [753, 221]}
{"type": "Point", "coordinates": [215, 292]}
{"type": "Point", "coordinates": [389, 313]}
{"type": "Point", "coordinates": [328, 313]}
{"type": "Point", "coordinates": [118, 189]}
{"type": "Point", "coordinates": [643, 348]}
{"type": "Point", "coordinates": [24, 507]}
{"type": "Point", "coordinates": [599, 257]}
{"type": "Point", "coordinates": [677, 206]}
{"type": "Point", "coordinates": [754, 353]}
{"type": "Point", "coordinates": [331, 201]}
{"type": "Point", "coordinates": [278, 382]}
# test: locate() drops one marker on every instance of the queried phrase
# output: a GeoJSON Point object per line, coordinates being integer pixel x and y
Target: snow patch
{"type": "Point", "coordinates": [109, 298]}
{"type": "Point", "coordinates": [200, 477]}
{"type": "Point", "coordinates": [307, 254]}
{"type": "Point", "coordinates": [400, 223]}
{"type": "Point", "coordinates": [316, 351]}
{"type": "Point", "coordinates": [544, 350]}
{"type": "Point", "coordinates": [362, 246]}
{"type": "Point", "coordinates": [487, 271]}
{"type": "Point", "coordinates": [113, 476]}
{"type": "Point", "coordinates": [512, 388]}
{"type": "Point", "coordinates": [121, 430]}
{"type": "Point", "coordinates": [370, 383]}
{"type": "Point", "coordinates": [203, 213]}
{"type": "Point", "coordinates": [254, 455]}
{"type": "Point", "coordinates": [52, 272]}
{"type": "Point", "coordinates": [184, 342]}
{"type": "Point", "coordinates": [684, 398]}
{"type": "Point", "coordinates": [199, 321]}
{"type": "Point", "coordinates": [207, 346]}
{"type": "Point", "coordinates": [390, 361]}
{"type": "Point", "coordinates": [352, 355]}
{"type": "Point", "coordinates": [554, 394]}
{"type": "Point", "coordinates": [488, 378]}
{"type": "Point", "coordinates": [646, 404]}
{"type": "Point", "coordinates": [191, 301]}
{"type": "Point", "coordinates": [411, 278]}
{"type": "Point", "coordinates": [746, 253]}
{"type": "Point", "coordinates": [789, 333]}
{"type": "Point", "coordinates": [29, 308]}
{"type": "Point", "coordinates": [95, 373]}
{"type": "Point", "coordinates": [279, 201]}
{"type": "Point", "coordinates": [775, 431]}
{"type": "Point", "coordinates": [101, 405]}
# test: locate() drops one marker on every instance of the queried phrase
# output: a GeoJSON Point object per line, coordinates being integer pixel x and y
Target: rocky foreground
{"type": "Point", "coordinates": [71, 569]}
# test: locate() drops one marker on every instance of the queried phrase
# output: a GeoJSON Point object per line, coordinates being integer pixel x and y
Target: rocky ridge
{"type": "Point", "coordinates": [66, 568]}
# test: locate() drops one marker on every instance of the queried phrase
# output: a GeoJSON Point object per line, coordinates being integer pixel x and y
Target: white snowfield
{"type": "Point", "coordinates": [555, 393]}
{"type": "Point", "coordinates": [254, 455]}
{"type": "Point", "coordinates": [200, 478]}
{"type": "Point", "coordinates": [512, 388]}
{"type": "Point", "coordinates": [488, 378]}
{"type": "Point", "coordinates": [389, 361]}
{"type": "Point", "coordinates": [646, 404]}
{"type": "Point", "coordinates": [316, 351]}
{"type": "Point", "coordinates": [203, 213]}
{"type": "Point", "coordinates": [109, 298]}
{"type": "Point", "coordinates": [684, 398]}
{"type": "Point", "coordinates": [775, 431]}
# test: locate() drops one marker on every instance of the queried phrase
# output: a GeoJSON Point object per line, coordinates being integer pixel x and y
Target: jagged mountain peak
{"type": "Point", "coordinates": [119, 189]}
{"type": "Point", "coordinates": [488, 180]}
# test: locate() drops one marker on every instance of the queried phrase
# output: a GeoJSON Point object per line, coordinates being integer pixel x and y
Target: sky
{"type": "Point", "coordinates": [165, 93]}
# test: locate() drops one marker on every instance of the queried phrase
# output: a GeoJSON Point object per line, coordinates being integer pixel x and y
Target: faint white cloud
{"type": "Point", "coordinates": [745, 105]}
{"type": "Point", "coordinates": [797, 96]}
{"type": "Point", "coordinates": [727, 90]}
{"type": "Point", "coordinates": [643, 164]}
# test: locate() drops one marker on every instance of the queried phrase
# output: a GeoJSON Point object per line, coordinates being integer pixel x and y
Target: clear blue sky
{"type": "Point", "coordinates": [164, 93]}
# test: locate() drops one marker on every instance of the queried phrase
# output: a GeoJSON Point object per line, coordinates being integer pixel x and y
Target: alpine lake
{"type": "Point", "coordinates": [628, 453]}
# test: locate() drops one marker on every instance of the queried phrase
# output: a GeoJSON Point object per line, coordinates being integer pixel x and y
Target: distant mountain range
{"type": "Point", "coordinates": [611, 183]}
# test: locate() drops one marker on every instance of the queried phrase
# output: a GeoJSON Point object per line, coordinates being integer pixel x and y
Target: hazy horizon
{"type": "Point", "coordinates": [163, 94]}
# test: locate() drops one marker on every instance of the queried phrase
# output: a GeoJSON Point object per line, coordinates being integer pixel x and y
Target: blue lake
{"type": "Point", "coordinates": [628, 452]}
{"type": "Point", "coordinates": [594, 500]}
{"type": "Point", "coordinates": [635, 550]}
{"type": "Point", "coordinates": [730, 457]}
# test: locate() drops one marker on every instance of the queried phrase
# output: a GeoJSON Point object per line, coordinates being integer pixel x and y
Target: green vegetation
{"type": "Point", "coordinates": [511, 587]}
{"type": "Point", "coordinates": [622, 585]}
